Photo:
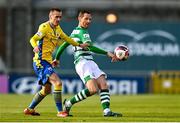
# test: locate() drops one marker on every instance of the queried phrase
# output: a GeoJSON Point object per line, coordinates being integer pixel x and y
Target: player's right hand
{"type": "Point", "coordinates": [55, 63]}
{"type": "Point", "coordinates": [84, 45]}
{"type": "Point", "coordinates": [36, 49]}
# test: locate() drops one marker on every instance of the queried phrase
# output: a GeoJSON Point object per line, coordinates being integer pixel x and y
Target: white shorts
{"type": "Point", "coordinates": [87, 70]}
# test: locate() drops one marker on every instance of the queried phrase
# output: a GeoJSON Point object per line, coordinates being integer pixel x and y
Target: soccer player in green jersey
{"type": "Point", "coordinates": [91, 75]}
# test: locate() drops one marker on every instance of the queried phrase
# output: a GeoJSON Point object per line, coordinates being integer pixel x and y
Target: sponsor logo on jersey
{"type": "Point", "coordinates": [39, 34]}
{"type": "Point", "coordinates": [76, 32]}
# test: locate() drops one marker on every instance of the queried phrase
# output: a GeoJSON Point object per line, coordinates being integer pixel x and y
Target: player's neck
{"type": "Point", "coordinates": [81, 27]}
{"type": "Point", "coordinates": [52, 25]}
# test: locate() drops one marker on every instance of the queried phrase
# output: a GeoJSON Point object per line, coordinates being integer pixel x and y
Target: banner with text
{"type": "Point", "coordinates": [118, 85]}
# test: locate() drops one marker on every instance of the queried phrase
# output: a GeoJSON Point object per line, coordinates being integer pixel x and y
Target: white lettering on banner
{"type": "Point", "coordinates": [116, 87]}
{"type": "Point", "coordinates": [134, 87]}
{"type": "Point", "coordinates": [146, 49]}
{"type": "Point", "coordinates": [71, 85]}
{"type": "Point", "coordinates": [152, 49]}
{"type": "Point", "coordinates": [29, 85]}
{"type": "Point", "coordinates": [113, 86]}
{"type": "Point", "coordinates": [25, 85]}
{"type": "Point", "coordinates": [123, 87]}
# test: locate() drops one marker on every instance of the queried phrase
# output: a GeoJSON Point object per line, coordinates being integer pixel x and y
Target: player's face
{"type": "Point", "coordinates": [85, 20]}
{"type": "Point", "coordinates": [55, 17]}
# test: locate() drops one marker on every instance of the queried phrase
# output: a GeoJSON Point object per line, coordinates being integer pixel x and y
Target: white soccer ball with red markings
{"type": "Point", "coordinates": [122, 52]}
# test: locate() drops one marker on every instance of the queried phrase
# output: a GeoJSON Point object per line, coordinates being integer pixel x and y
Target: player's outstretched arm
{"type": "Point", "coordinates": [97, 50]}
{"type": "Point", "coordinates": [72, 42]}
{"type": "Point", "coordinates": [84, 45]}
{"type": "Point", "coordinates": [60, 50]}
{"type": "Point", "coordinates": [103, 52]}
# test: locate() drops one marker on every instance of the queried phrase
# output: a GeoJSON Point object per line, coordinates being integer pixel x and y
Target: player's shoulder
{"type": "Point", "coordinates": [44, 25]}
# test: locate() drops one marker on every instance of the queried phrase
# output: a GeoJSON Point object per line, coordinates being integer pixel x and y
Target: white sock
{"type": "Point", "coordinates": [68, 103]}
{"type": "Point", "coordinates": [106, 110]}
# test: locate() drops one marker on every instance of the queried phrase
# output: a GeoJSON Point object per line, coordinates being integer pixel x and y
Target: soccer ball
{"type": "Point", "coordinates": [121, 52]}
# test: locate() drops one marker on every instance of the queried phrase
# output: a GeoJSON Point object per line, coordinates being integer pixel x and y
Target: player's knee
{"type": "Point", "coordinates": [48, 91]}
{"type": "Point", "coordinates": [45, 91]}
{"type": "Point", "coordinates": [104, 85]}
{"type": "Point", "coordinates": [93, 91]}
{"type": "Point", "coordinates": [47, 88]}
{"type": "Point", "coordinates": [58, 85]}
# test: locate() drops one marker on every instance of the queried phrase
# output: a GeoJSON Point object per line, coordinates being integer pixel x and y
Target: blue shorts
{"type": "Point", "coordinates": [43, 72]}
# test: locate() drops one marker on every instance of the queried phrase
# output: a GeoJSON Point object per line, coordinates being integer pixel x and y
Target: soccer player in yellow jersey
{"type": "Point", "coordinates": [44, 42]}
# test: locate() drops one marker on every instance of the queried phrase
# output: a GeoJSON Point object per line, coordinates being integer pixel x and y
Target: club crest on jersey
{"type": "Point", "coordinates": [86, 36]}
{"type": "Point", "coordinates": [57, 35]}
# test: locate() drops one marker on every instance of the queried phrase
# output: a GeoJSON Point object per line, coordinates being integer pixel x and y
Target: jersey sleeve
{"type": "Point", "coordinates": [60, 50]}
{"type": "Point", "coordinates": [39, 35]}
{"type": "Point", "coordinates": [68, 39]}
{"type": "Point", "coordinates": [97, 50]}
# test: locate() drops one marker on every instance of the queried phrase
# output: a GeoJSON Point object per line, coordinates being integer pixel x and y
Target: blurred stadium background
{"type": "Point", "coordinates": [151, 29]}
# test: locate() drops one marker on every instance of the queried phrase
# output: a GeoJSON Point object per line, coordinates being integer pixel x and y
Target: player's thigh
{"type": "Point", "coordinates": [55, 80]}
{"type": "Point", "coordinates": [84, 70]}
{"type": "Point", "coordinates": [46, 89]}
{"type": "Point", "coordinates": [102, 82]}
{"type": "Point", "coordinates": [92, 86]}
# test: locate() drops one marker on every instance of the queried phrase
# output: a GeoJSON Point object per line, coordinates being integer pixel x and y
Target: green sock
{"type": "Point", "coordinates": [105, 98]}
{"type": "Point", "coordinates": [80, 96]}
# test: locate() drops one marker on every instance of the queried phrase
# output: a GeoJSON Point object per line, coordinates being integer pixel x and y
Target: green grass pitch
{"type": "Point", "coordinates": [135, 108]}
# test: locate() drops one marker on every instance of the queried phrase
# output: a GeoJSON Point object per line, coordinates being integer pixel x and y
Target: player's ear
{"type": "Point", "coordinates": [50, 13]}
{"type": "Point", "coordinates": [79, 18]}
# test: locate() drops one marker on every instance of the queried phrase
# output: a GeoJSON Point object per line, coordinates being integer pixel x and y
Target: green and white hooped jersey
{"type": "Point", "coordinates": [81, 35]}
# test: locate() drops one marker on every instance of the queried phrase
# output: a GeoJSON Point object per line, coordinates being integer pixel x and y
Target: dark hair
{"type": "Point", "coordinates": [82, 12]}
{"type": "Point", "coordinates": [55, 9]}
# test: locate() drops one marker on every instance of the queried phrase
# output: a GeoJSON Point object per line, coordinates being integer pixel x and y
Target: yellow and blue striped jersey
{"type": "Point", "coordinates": [47, 39]}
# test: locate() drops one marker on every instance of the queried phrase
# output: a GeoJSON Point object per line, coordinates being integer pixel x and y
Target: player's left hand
{"type": "Point", "coordinates": [55, 63]}
{"type": "Point", "coordinates": [113, 57]}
